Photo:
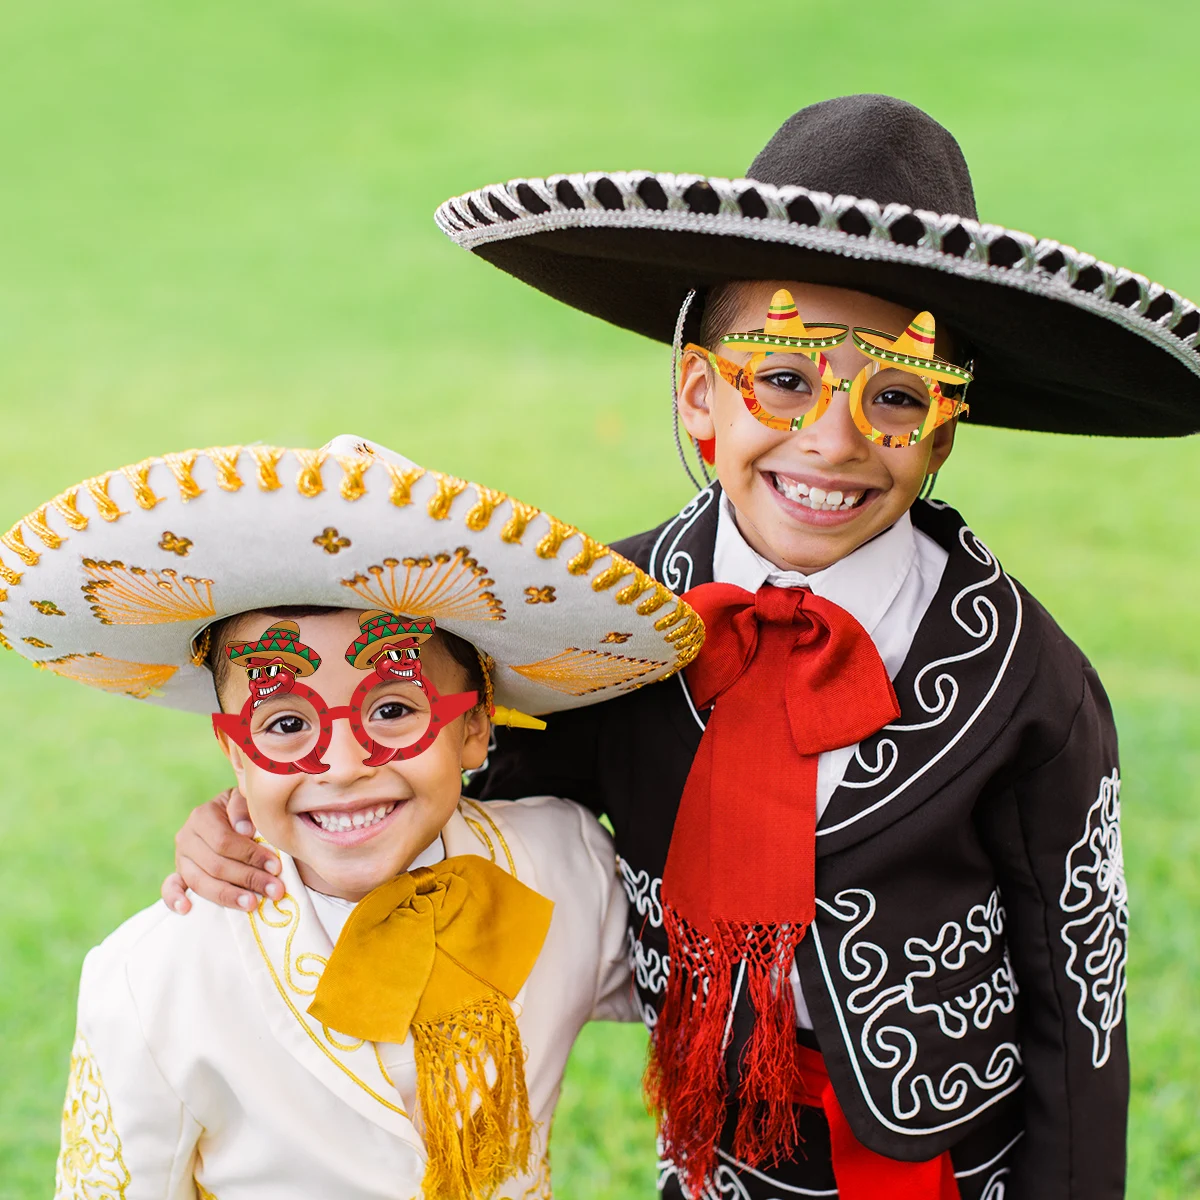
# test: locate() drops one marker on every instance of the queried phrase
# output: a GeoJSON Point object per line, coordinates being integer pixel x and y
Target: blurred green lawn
{"type": "Point", "coordinates": [215, 226]}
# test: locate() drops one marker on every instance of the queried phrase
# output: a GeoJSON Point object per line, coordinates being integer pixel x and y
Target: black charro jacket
{"type": "Point", "coordinates": [965, 973]}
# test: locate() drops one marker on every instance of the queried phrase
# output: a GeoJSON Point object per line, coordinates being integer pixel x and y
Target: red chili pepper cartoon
{"type": "Point", "coordinates": [390, 646]}
{"type": "Point", "coordinates": [274, 661]}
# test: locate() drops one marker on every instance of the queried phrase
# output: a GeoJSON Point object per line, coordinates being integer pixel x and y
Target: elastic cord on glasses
{"type": "Point", "coordinates": [676, 343]}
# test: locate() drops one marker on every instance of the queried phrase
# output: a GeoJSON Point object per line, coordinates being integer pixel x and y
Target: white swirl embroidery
{"type": "Point", "coordinates": [939, 696]}
{"type": "Point", "coordinates": [1097, 938]}
{"type": "Point", "coordinates": [649, 966]}
{"type": "Point", "coordinates": [677, 567]}
{"type": "Point", "coordinates": [643, 893]}
{"type": "Point", "coordinates": [891, 1048]}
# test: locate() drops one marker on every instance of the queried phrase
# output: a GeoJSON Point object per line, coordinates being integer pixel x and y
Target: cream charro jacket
{"type": "Point", "coordinates": [197, 1072]}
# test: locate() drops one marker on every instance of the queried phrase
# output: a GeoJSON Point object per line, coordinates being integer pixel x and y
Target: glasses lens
{"type": "Point", "coordinates": [786, 385]}
{"type": "Point", "coordinates": [396, 715]}
{"type": "Point", "coordinates": [895, 402]}
{"type": "Point", "coordinates": [285, 728]}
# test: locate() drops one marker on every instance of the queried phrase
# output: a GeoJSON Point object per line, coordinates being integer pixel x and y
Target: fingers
{"type": "Point", "coordinates": [239, 813]}
{"type": "Point", "coordinates": [174, 894]}
{"type": "Point", "coordinates": [220, 864]}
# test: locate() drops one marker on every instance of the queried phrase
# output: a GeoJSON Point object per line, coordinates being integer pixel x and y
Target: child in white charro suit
{"type": "Point", "coordinates": [397, 1022]}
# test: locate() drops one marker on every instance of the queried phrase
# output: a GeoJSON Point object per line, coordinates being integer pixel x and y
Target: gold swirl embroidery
{"type": "Point", "coordinates": [448, 487]}
{"type": "Point", "coordinates": [611, 574]}
{"type": "Point", "coordinates": [37, 524]}
{"type": "Point", "coordinates": [225, 459]}
{"type": "Point", "coordinates": [631, 591]}
{"type": "Point", "coordinates": [16, 543]}
{"type": "Point", "coordinates": [654, 602]}
{"type": "Point", "coordinates": [513, 530]}
{"type": "Point", "coordinates": [8, 575]}
{"type": "Point", "coordinates": [551, 542]}
{"type": "Point", "coordinates": [66, 506]}
{"type": "Point", "coordinates": [181, 466]}
{"type": "Point", "coordinates": [46, 607]}
{"type": "Point", "coordinates": [266, 458]}
{"type": "Point", "coordinates": [480, 514]}
{"type": "Point", "coordinates": [37, 643]}
{"type": "Point", "coordinates": [588, 554]}
{"type": "Point", "coordinates": [138, 478]}
{"type": "Point", "coordinates": [90, 1162]}
{"type": "Point", "coordinates": [353, 468]}
{"type": "Point", "coordinates": [402, 482]}
{"type": "Point", "coordinates": [106, 506]}
{"type": "Point", "coordinates": [121, 595]}
{"type": "Point", "coordinates": [576, 672]}
{"type": "Point", "coordinates": [309, 482]}
{"type": "Point", "coordinates": [291, 917]}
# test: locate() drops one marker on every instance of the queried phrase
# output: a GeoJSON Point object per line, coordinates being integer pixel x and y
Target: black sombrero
{"type": "Point", "coordinates": [865, 192]}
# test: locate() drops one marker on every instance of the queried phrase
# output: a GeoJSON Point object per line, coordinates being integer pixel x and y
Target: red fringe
{"type": "Point", "coordinates": [686, 1083]}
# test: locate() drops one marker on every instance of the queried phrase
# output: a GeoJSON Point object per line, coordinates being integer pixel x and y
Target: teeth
{"type": "Point", "coordinates": [340, 822]}
{"type": "Point", "coordinates": [816, 498]}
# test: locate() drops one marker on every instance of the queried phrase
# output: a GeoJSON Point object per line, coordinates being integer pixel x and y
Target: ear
{"type": "Point", "coordinates": [694, 402]}
{"type": "Point", "coordinates": [943, 443]}
{"type": "Point", "coordinates": [477, 733]}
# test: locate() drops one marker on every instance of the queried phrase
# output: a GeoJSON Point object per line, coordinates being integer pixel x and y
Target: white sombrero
{"type": "Point", "coordinates": [115, 580]}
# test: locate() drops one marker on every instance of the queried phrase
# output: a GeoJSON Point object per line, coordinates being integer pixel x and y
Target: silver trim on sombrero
{"type": "Point", "coordinates": [496, 213]}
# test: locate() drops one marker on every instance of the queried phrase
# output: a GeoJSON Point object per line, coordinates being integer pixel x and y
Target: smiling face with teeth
{"type": "Point", "coordinates": [808, 498]}
{"type": "Point", "coordinates": [355, 826]}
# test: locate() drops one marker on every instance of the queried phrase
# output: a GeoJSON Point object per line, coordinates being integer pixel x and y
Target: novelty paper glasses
{"type": "Point", "coordinates": [285, 726]}
{"type": "Point", "coordinates": [898, 399]}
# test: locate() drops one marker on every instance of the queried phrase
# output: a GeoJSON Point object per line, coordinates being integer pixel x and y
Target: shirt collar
{"type": "Point", "coordinates": [864, 583]}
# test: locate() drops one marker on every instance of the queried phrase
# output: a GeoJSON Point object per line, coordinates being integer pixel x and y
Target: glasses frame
{"type": "Point", "coordinates": [942, 408]}
{"type": "Point", "coordinates": [443, 710]}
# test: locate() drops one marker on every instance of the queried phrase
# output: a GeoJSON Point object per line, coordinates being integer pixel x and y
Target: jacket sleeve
{"type": "Point", "coordinates": [560, 760]}
{"type": "Point", "coordinates": [1054, 833]}
{"type": "Point", "coordinates": [124, 1131]}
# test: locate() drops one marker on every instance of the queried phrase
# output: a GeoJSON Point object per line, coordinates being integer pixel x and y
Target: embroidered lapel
{"type": "Point", "coordinates": [285, 948]}
{"type": "Point", "coordinates": [965, 670]}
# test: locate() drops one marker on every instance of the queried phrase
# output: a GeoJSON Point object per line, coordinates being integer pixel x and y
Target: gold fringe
{"type": "Point", "coordinates": [448, 487]}
{"type": "Point", "coordinates": [588, 554]}
{"type": "Point", "coordinates": [477, 1134]}
{"type": "Point", "coordinates": [653, 603]}
{"type": "Point", "coordinates": [513, 529]}
{"type": "Point", "coordinates": [552, 542]}
{"type": "Point", "coordinates": [16, 543]}
{"type": "Point", "coordinates": [611, 574]}
{"type": "Point", "coordinates": [402, 481]}
{"type": "Point", "coordinates": [309, 482]}
{"type": "Point", "coordinates": [181, 466]}
{"type": "Point", "coordinates": [480, 515]}
{"type": "Point", "coordinates": [98, 490]}
{"type": "Point", "coordinates": [631, 591]}
{"type": "Point", "coordinates": [354, 467]}
{"type": "Point", "coordinates": [11, 577]}
{"type": "Point", "coordinates": [200, 646]}
{"type": "Point", "coordinates": [225, 459]}
{"type": "Point", "coordinates": [37, 523]}
{"type": "Point", "coordinates": [487, 664]}
{"type": "Point", "coordinates": [672, 618]}
{"type": "Point", "coordinates": [267, 458]}
{"type": "Point", "coordinates": [65, 505]}
{"type": "Point", "coordinates": [138, 477]}
{"type": "Point", "coordinates": [5, 644]}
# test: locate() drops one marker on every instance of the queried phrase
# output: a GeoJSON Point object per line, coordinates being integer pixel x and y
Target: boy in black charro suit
{"type": "Point", "coordinates": [899, 836]}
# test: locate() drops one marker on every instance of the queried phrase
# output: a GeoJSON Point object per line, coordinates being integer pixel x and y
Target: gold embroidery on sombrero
{"type": "Point", "coordinates": [225, 459]}
{"type": "Point", "coordinates": [138, 477]}
{"type": "Point", "coordinates": [631, 591]}
{"type": "Point", "coordinates": [181, 466]}
{"type": "Point", "coordinates": [90, 1163]}
{"type": "Point", "coordinates": [540, 595]}
{"type": "Point", "coordinates": [616, 637]}
{"type": "Point", "coordinates": [480, 515]}
{"type": "Point", "coordinates": [589, 553]}
{"type": "Point", "coordinates": [8, 575]}
{"type": "Point", "coordinates": [616, 570]}
{"type": "Point", "coordinates": [66, 505]}
{"type": "Point", "coordinates": [577, 672]}
{"type": "Point", "coordinates": [37, 643]}
{"type": "Point", "coordinates": [266, 458]}
{"type": "Point", "coordinates": [654, 602]}
{"type": "Point", "coordinates": [37, 525]}
{"type": "Point", "coordinates": [552, 541]}
{"type": "Point", "coordinates": [121, 595]}
{"type": "Point", "coordinates": [442, 586]}
{"type": "Point", "coordinates": [202, 1193]}
{"type": "Point", "coordinates": [448, 487]}
{"type": "Point", "coordinates": [106, 506]}
{"type": "Point", "coordinates": [513, 530]}
{"type": "Point", "coordinates": [46, 607]}
{"type": "Point", "coordinates": [175, 545]}
{"type": "Point", "coordinates": [402, 481]}
{"type": "Point", "coordinates": [352, 487]}
{"type": "Point", "coordinates": [138, 680]}
{"type": "Point", "coordinates": [309, 482]}
{"type": "Point", "coordinates": [16, 543]}
{"type": "Point", "coordinates": [331, 541]}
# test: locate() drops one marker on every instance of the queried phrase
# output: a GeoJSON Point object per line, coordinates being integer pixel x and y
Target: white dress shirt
{"type": "Point", "coordinates": [887, 585]}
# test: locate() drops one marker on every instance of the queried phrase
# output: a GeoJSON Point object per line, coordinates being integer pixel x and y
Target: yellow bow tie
{"type": "Point", "coordinates": [441, 951]}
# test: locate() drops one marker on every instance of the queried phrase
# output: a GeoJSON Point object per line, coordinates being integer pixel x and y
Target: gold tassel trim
{"type": "Point", "coordinates": [37, 524]}
{"type": "Point", "coordinates": [267, 459]}
{"type": "Point", "coordinates": [353, 467]}
{"type": "Point", "coordinates": [106, 506]}
{"type": "Point", "coordinates": [448, 487]}
{"type": "Point", "coordinates": [181, 466]}
{"type": "Point", "coordinates": [477, 1134]}
{"type": "Point", "coordinates": [138, 478]}
{"type": "Point", "coordinates": [513, 530]}
{"type": "Point", "coordinates": [309, 482]}
{"type": "Point", "coordinates": [225, 459]}
{"type": "Point", "coordinates": [551, 543]}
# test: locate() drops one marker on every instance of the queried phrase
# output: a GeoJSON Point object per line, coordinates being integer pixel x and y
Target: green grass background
{"type": "Point", "coordinates": [215, 226]}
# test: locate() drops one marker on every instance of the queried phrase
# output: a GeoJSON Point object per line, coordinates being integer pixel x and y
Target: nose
{"type": "Point", "coordinates": [344, 758]}
{"type": "Point", "coordinates": [835, 438]}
